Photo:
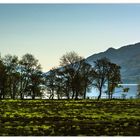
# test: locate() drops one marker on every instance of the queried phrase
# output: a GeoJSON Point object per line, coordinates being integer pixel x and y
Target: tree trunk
{"type": "Point", "coordinates": [33, 96]}
{"type": "Point", "coordinates": [58, 95]}
{"type": "Point", "coordinates": [52, 95]}
{"type": "Point", "coordinates": [0, 95]}
{"type": "Point", "coordinates": [33, 93]}
{"type": "Point", "coordinates": [76, 96]}
{"type": "Point", "coordinates": [67, 93]}
{"type": "Point", "coordinates": [21, 90]}
{"type": "Point", "coordinates": [21, 96]}
{"type": "Point", "coordinates": [73, 93]}
{"type": "Point", "coordinates": [100, 93]}
{"type": "Point", "coordinates": [108, 89]}
{"type": "Point", "coordinates": [14, 91]}
{"type": "Point", "coordinates": [85, 93]}
{"type": "Point", "coordinates": [11, 94]}
{"type": "Point", "coordinates": [3, 93]}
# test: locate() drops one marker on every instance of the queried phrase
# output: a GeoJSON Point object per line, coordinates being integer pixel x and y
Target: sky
{"type": "Point", "coordinates": [50, 30]}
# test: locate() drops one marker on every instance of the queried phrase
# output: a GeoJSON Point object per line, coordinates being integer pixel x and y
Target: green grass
{"type": "Point", "coordinates": [69, 118]}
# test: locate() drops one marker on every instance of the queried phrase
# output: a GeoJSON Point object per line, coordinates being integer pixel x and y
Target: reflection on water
{"type": "Point", "coordinates": [118, 92]}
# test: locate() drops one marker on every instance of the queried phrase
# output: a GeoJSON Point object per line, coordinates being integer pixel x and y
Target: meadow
{"type": "Point", "coordinates": [70, 117]}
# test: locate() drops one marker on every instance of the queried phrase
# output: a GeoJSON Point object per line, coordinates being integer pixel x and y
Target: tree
{"type": "Point", "coordinates": [138, 90]}
{"type": "Point", "coordinates": [106, 72]}
{"type": "Point", "coordinates": [113, 78]}
{"type": "Point", "coordinates": [70, 59]}
{"type": "Point", "coordinates": [36, 83]}
{"type": "Point", "coordinates": [12, 75]}
{"type": "Point", "coordinates": [31, 76]}
{"type": "Point", "coordinates": [71, 63]}
{"type": "Point", "coordinates": [101, 69]}
{"type": "Point", "coordinates": [86, 76]}
{"type": "Point", "coordinates": [3, 79]}
{"type": "Point", "coordinates": [62, 84]}
{"type": "Point", "coordinates": [50, 80]}
{"type": "Point", "coordinates": [77, 74]}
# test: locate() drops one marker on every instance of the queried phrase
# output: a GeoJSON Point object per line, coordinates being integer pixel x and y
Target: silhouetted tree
{"type": "Point", "coordinates": [63, 82]}
{"type": "Point", "coordinates": [101, 73]}
{"type": "Point", "coordinates": [31, 76]}
{"type": "Point", "coordinates": [78, 75]}
{"type": "Point", "coordinates": [51, 82]}
{"type": "Point", "coordinates": [3, 79]}
{"type": "Point", "coordinates": [106, 72]}
{"type": "Point", "coordinates": [11, 65]}
{"type": "Point", "coordinates": [36, 84]}
{"type": "Point", "coordinates": [87, 77]}
{"type": "Point", "coordinates": [138, 90]}
{"type": "Point", "coordinates": [113, 77]}
{"type": "Point", "coordinates": [71, 63]}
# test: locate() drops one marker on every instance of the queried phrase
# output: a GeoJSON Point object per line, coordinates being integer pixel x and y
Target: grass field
{"type": "Point", "coordinates": [69, 118]}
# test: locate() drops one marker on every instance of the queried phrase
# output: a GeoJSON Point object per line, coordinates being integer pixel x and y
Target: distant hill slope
{"type": "Point", "coordinates": [128, 57]}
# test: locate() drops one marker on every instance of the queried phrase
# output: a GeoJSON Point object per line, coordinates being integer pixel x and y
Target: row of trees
{"type": "Point", "coordinates": [20, 78]}
{"type": "Point", "coordinates": [71, 80]}
{"type": "Point", "coordinates": [75, 77]}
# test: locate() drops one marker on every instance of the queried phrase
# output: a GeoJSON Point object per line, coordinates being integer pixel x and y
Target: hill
{"type": "Point", "coordinates": [128, 57]}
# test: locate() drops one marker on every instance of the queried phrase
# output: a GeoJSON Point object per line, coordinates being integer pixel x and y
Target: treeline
{"type": "Point", "coordinates": [23, 78]}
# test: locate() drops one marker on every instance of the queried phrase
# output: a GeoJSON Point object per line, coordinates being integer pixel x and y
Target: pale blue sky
{"type": "Point", "coordinates": [49, 31]}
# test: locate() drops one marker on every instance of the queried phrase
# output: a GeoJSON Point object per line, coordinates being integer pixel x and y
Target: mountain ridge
{"type": "Point", "coordinates": [127, 57]}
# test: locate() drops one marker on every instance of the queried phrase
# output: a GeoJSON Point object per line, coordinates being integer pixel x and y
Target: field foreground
{"type": "Point", "coordinates": [69, 118]}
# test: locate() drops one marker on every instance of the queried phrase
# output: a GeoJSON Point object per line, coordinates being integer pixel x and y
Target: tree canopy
{"type": "Point", "coordinates": [24, 78]}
